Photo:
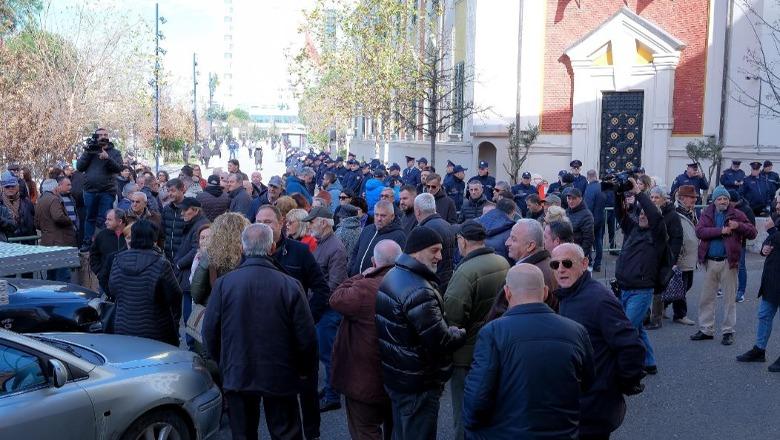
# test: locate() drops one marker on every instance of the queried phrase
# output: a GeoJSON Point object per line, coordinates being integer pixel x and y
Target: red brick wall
{"type": "Point", "coordinates": [569, 20]}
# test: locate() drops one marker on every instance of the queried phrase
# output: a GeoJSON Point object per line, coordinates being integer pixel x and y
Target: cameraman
{"type": "Point", "coordinates": [100, 163]}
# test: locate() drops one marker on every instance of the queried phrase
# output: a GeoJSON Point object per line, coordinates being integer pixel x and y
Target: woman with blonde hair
{"type": "Point", "coordinates": [554, 214]}
{"type": "Point", "coordinates": [297, 229]}
{"type": "Point", "coordinates": [285, 204]}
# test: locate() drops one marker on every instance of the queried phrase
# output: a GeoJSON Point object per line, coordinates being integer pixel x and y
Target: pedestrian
{"type": "Point", "coordinates": [521, 191]}
{"type": "Point", "coordinates": [356, 370]}
{"type": "Point", "coordinates": [557, 233]}
{"type": "Point", "coordinates": [535, 208]}
{"type": "Point", "coordinates": [373, 189]}
{"type": "Point", "coordinates": [488, 182]}
{"type": "Point", "coordinates": [720, 230]}
{"type": "Point", "coordinates": [467, 301]}
{"type": "Point", "coordinates": [191, 186]}
{"type": "Point", "coordinates": [299, 182]}
{"type": "Point", "coordinates": [686, 261]}
{"type": "Point", "coordinates": [618, 353]}
{"type": "Point", "coordinates": [108, 242]}
{"type": "Point", "coordinates": [258, 298]}
{"type": "Point", "coordinates": [124, 200]}
{"type": "Point", "coordinates": [771, 176]}
{"type": "Point", "coordinates": [192, 215]}
{"type": "Point", "coordinates": [406, 204]}
{"type": "Point", "coordinates": [734, 177]}
{"type": "Point", "coordinates": [22, 210]}
{"type": "Point", "coordinates": [240, 200]}
{"type": "Point", "coordinates": [498, 225]}
{"type": "Point", "coordinates": [455, 188]}
{"type": "Point", "coordinates": [214, 201]}
{"type": "Point", "coordinates": [415, 343]}
{"type": "Point", "coordinates": [475, 201]}
{"type": "Point", "coordinates": [234, 167]}
{"type": "Point", "coordinates": [149, 188]}
{"type": "Point", "coordinates": [445, 207]}
{"type": "Point", "coordinates": [173, 224]}
{"type": "Point", "coordinates": [674, 241]}
{"type": "Point", "coordinates": [411, 174]}
{"type": "Point", "coordinates": [692, 176]}
{"type": "Point", "coordinates": [349, 229]}
{"type": "Point", "coordinates": [541, 399]}
{"type": "Point", "coordinates": [581, 220]}
{"type": "Point", "coordinates": [269, 197]}
{"type": "Point", "coordinates": [145, 290]}
{"type": "Point", "coordinates": [385, 226]}
{"type": "Point", "coordinates": [595, 201]}
{"type": "Point", "coordinates": [139, 210]}
{"type": "Point", "coordinates": [297, 228]}
{"type": "Point", "coordinates": [57, 228]}
{"type": "Point", "coordinates": [331, 184]}
{"type": "Point", "coordinates": [425, 211]}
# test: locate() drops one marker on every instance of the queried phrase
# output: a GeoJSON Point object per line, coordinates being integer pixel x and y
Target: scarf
{"type": "Point", "coordinates": [70, 209]}
{"type": "Point", "coordinates": [13, 204]}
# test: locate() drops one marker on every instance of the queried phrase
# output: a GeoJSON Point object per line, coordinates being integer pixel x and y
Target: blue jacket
{"type": "Point", "coordinates": [596, 201]}
{"type": "Point", "coordinates": [296, 185]}
{"type": "Point", "coordinates": [520, 192]}
{"type": "Point", "coordinates": [335, 189]}
{"type": "Point", "coordinates": [373, 190]}
{"type": "Point", "coordinates": [411, 176]}
{"type": "Point", "coordinates": [758, 192]}
{"type": "Point", "coordinates": [539, 400]}
{"type": "Point", "coordinates": [498, 227]}
{"type": "Point", "coordinates": [351, 180]}
{"type": "Point", "coordinates": [699, 183]}
{"type": "Point", "coordinates": [730, 177]}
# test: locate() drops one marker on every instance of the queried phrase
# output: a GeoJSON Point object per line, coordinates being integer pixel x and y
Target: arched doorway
{"type": "Point", "coordinates": [487, 151]}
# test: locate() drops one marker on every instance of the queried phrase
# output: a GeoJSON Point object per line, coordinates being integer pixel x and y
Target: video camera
{"type": "Point", "coordinates": [95, 146]}
{"type": "Point", "coordinates": [617, 181]}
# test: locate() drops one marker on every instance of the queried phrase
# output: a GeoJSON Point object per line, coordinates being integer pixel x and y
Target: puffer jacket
{"type": "Point", "coordinates": [470, 294]}
{"type": "Point", "coordinates": [686, 261]}
{"type": "Point", "coordinates": [582, 225]}
{"type": "Point", "coordinates": [360, 258]}
{"type": "Point", "coordinates": [449, 247]}
{"type": "Point", "coordinates": [148, 298]}
{"type": "Point", "coordinates": [415, 343]}
{"type": "Point", "coordinates": [445, 207]}
{"type": "Point", "coordinates": [374, 189]}
{"type": "Point", "coordinates": [99, 173]}
{"type": "Point", "coordinates": [173, 229]}
{"type": "Point", "coordinates": [349, 233]}
{"type": "Point", "coordinates": [498, 226]}
{"type": "Point", "coordinates": [471, 209]}
{"type": "Point", "coordinates": [673, 230]}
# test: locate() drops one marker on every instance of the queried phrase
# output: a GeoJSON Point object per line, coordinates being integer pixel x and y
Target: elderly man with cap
{"type": "Point", "coordinates": [415, 342]}
{"type": "Point", "coordinates": [214, 201]}
{"type": "Point", "coordinates": [581, 220]}
{"type": "Point", "coordinates": [488, 182]}
{"type": "Point", "coordinates": [475, 201]}
{"type": "Point", "coordinates": [455, 187]}
{"type": "Point", "coordinates": [523, 190]}
{"type": "Point", "coordinates": [21, 209]}
{"type": "Point", "coordinates": [732, 178]}
{"type": "Point", "coordinates": [275, 190]}
{"type": "Point", "coordinates": [757, 190]}
{"type": "Point", "coordinates": [467, 301]}
{"type": "Point", "coordinates": [771, 176]}
{"type": "Point", "coordinates": [579, 182]}
{"type": "Point", "coordinates": [686, 260]}
{"type": "Point", "coordinates": [692, 176]}
{"type": "Point", "coordinates": [503, 401]}
{"type": "Point", "coordinates": [721, 230]}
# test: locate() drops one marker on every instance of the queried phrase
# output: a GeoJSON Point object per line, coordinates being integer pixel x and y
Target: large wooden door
{"type": "Point", "coordinates": [621, 131]}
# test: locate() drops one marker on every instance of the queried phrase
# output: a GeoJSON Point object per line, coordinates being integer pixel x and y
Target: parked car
{"type": "Point", "coordinates": [50, 306]}
{"type": "Point", "coordinates": [95, 386]}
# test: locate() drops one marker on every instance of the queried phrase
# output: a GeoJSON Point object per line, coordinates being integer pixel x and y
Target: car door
{"type": "Point", "coordinates": [32, 407]}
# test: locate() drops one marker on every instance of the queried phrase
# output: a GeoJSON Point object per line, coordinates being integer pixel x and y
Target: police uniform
{"type": "Point", "coordinates": [488, 182]}
{"type": "Point", "coordinates": [772, 177]}
{"type": "Point", "coordinates": [580, 182]}
{"type": "Point", "coordinates": [340, 169]}
{"type": "Point", "coordinates": [730, 177]}
{"type": "Point", "coordinates": [411, 176]}
{"type": "Point", "coordinates": [521, 191]}
{"type": "Point", "coordinates": [699, 183]}
{"type": "Point", "coordinates": [757, 191]}
{"type": "Point", "coordinates": [456, 188]}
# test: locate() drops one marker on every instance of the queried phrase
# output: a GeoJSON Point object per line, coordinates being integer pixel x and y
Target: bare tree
{"type": "Point", "coordinates": [519, 146]}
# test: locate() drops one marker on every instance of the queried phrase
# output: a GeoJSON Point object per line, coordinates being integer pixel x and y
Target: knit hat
{"type": "Point", "coordinates": [420, 238]}
{"type": "Point", "coordinates": [720, 191]}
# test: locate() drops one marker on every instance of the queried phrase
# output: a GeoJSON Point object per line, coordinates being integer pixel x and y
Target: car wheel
{"type": "Point", "coordinates": [158, 425]}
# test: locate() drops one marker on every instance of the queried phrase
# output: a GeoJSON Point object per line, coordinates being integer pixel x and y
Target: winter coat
{"type": "Point", "coordinates": [686, 261]}
{"type": "Point", "coordinates": [539, 400]}
{"type": "Point", "coordinates": [57, 229]}
{"type": "Point", "coordinates": [456, 189]}
{"type": "Point", "coordinates": [185, 254]}
{"type": "Point", "coordinates": [642, 255]}
{"type": "Point", "coordinates": [7, 224]}
{"type": "Point", "coordinates": [470, 295]}
{"type": "Point", "coordinates": [415, 343]}
{"type": "Point", "coordinates": [582, 225]}
{"type": "Point", "coordinates": [298, 262]}
{"type": "Point", "coordinates": [25, 223]}
{"type": "Point", "coordinates": [120, 185]}
{"type": "Point", "coordinates": [332, 258]}
{"type": "Point", "coordinates": [99, 173]}
{"type": "Point", "coordinates": [258, 299]}
{"type": "Point", "coordinates": [360, 259]}
{"type": "Point", "coordinates": [520, 192]}
{"type": "Point", "coordinates": [618, 353]}
{"type": "Point", "coordinates": [674, 230]}
{"type": "Point", "coordinates": [540, 259]}
{"type": "Point", "coordinates": [148, 298]}
{"type": "Point", "coordinates": [770, 276]}
{"type": "Point", "coordinates": [449, 248]}
{"type": "Point", "coordinates": [355, 365]}
{"type": "Point", "coordinates": [445, 207]}
{"type": "Point", "coordinates": [488, 183]}
{"type": "Point", "coordinates": [335, 189]}
{"type": "Point", "coordinates": [151, 200]}
{"type": "Point", "coordinates": [104, 246]}
{"type": "Point", "coordinates": [596, 201]}
{"type": "Point", "coordinates": [348, 232]}
{"type": "Point", "coordinates": [471, 209]}
{"type": "Point", "coordinates": [173, 229]}
{"type": "Point", "coordinates": [408, 221]}
{"type": "Point", "coordinates": [498, 226]}
{"type": "Point", "coordinates": [706, 231]}
{"type": "Point", "coordinates": [373, 189]}
{"type": "Point", "coordinates": [296, 185]}
{"type": "Point", "coordinates": [214, 202]}
{"type": "Point", "coordinates": [240, 200]}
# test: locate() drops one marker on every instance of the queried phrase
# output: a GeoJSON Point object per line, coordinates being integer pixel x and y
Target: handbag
{"type": "Point", "coordinates": [195, 322]}
{"type": "Point", "coordinates": [675, 289]}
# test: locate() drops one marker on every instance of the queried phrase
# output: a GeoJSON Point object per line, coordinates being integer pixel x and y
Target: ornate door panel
{"type": "Point", "coordinates": [621, 131]}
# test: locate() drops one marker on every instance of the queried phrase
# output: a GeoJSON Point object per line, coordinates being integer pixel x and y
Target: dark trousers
{"type": "Point", "coordinates": [326, 336]}
{"type": "Point", "coordinates": [310, 406]}
{"type": "Point", "coordinates": [611, 227]}
{"type": "Point", "coordinates": [281, 415]}
{"type": "Point", "coordinates": [680, 306]}
{"type": "Point", "coordinates": [598, 244]}
{"type": "Point", "coordinates": [365, 420]}
{"type": "Point", "coordinates": [595, 437]}
{"type": "Point", "coordinates": [415, 416]}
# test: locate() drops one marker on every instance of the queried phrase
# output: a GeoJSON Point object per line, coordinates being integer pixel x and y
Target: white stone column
{"type": "Point", "coordinates": [662, 116]}
{"type": "Point", "coordinates": [582, 146]}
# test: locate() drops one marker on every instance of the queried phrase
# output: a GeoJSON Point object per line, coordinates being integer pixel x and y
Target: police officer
{"type": "Point", "coordinates": [692, 176]}
{"type": "Point", "coordinates": [352, 177]}
{"type": "Point", "coordinates": [580, 182]}
{"type": "Point", "coordinates": [757, 190]}
{"type": "Point", "coordinates": [523, 190]}
{"type": "Point", "coordinates": [733, 177]}
{"type": "Point", "coordinates": [456, 189]}
{"type": "Point", "coordinates": [411, 174]}
{"type": "Point", "coordinates": [488, 181]}
{"type": "Point", "coordinates": [772, 177]}
{"type": "Point", "coordinates": [449, 176]}
{"type": "Point", "coordinates": [394, 174]}
{"type": "Point", "coordinates": [556, 188]}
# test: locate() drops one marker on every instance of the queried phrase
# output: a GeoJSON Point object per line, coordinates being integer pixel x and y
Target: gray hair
{"type": "Point", "coordinates": [306, 171]}
{"type": "Point", "coordinates": [533, 231]}
{"type": "Point", "coordinates": [239, 177]}
{"type": "Point", "coordinates": [475, 182]}
{"type": "Point", "coordinates": [385, 205]}
{"type": "Point", "coordinates": [502, 185]}
{"type": "Point", "coordinates": [426, 203]}
{"type": "Point", "coordinates": [140, 194]}
{"type": "Point", "coordinates": [49, 185]}
{"type": "Point", "coordinates": [660, 191]}
{"type": "Point", "coordinates": [129, 188]}
{"type": "Point", "coordinates": [386, 252]}
{"type": "Point", "coordinates": [592, 174]}
{"type": "Point", "coordinates": [257, 240]}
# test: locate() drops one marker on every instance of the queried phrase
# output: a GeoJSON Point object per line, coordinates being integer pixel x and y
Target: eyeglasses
{"type": "Point", "coordinates": [344, 197]}
{"type": "Point", "coordinates": [555, 264]}
{"type": "Point", "coordinates": [386, 196]}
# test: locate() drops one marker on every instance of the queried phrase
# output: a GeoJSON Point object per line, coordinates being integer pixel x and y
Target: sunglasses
{"type": "Point", "coordinates": [555, 264]}
{"type": "Point", "coordinates": [431, 186]}
{"type": "Point", "coordinates": [344, 197]}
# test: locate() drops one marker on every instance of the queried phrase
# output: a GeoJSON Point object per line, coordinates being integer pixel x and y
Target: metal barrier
{"type": "Point", "coordinates": [34, 238]}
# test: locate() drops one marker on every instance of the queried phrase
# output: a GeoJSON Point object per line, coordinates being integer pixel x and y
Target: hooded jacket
{"type": "Point", "coordinates": [99, 173]}
{"type": "Point", "coordinates": [296, 185]}
{"type": "Point", "coordinates": [360, 258]}
{"type": "Point", "coordinates": [374, 189]}
{"type": "Point", "coordinates": [498, 226]}
{"type": "Point", "coordinates": [148, 298]}
{"type": "Point", "coordinates": [214, 201]}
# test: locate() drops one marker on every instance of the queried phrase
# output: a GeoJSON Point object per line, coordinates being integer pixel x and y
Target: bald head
{"type": "Point", "coordinates": [524, 285]}
{"type": "Point", "coordinates": [385, 253]}
{"type": "Point", "coordinates": [571, 255]}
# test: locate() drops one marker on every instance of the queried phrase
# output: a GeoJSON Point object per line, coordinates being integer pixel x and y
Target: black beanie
{"type": "Point", "coordinates": [420, 238]}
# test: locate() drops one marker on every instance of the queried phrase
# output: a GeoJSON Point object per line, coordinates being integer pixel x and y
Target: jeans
{"type": "Point", "coordinates": [415, 416]}
{"type": "Point", "coordinates": [326, 335]}
{"type": "Point", "coordinates": [457, 388]}
{"type": "Point", "coordinates": [741, 275]}
{"type": "Point", "coordinates": [281, 415]}
{"type": "Point", "coordinates": [636, 303]}
{"type": "Point", "coordinates": [598, 244]}
{"type": "Point", "coordinates": [97, 205]}
{"type": "Point", "coordinates": [766, 313]}
{"type": "Point", "coordinates": [233, 152]}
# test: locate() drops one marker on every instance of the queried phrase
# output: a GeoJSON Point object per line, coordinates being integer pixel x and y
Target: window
{"type": "Point", "coordinates": [19, 371]}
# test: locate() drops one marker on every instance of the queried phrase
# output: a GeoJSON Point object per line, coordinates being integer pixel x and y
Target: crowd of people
{"type": "Point", "coordinates": [398, 281]}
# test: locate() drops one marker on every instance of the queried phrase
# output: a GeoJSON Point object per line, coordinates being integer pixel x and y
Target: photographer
{"type": "Point", "coordinates": [100, 163]}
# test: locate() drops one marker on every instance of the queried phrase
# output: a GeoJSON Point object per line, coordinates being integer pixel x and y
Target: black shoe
{"type": "Point", "coordinates": [615, 253]}
{"type": "Point", "coordinates": [597, 269]}
{"type": "Point", "coordinates": [699, 336]}
{"type": "Point", "coordinates": [755, 354]}
{"type": "Point", "coordinates": [653, 326]}
{"type": "Point", "coordinates": [728, 339]}
{"type": "Point", "coordinates": [775, 367]}
{"type": "Point", "coordinates": [326, 406]}
{"type": "Point", "coordinates": [651, 369]}
{"type": "Point", "coordinates": [85, 247]}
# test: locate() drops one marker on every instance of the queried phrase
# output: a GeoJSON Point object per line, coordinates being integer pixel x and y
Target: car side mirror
{"type": "Point", "coordinates": [59, 373]}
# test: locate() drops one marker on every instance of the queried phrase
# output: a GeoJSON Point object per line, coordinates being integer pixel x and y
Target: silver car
{"type": "Point", "coordinates": [96, 386]}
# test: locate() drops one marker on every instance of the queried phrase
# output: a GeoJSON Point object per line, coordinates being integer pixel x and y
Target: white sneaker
{"type": "Point", "coordinates": [685, 320]}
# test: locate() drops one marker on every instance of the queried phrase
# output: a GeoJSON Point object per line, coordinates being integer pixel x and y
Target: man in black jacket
{"type": "Point", "coordinates": [674, 232]}
{"type": "Point", "coordinates": [240, 200]}
{"type": "Point", "coordinates": [107, 242]}
{"type": "Point", "coordinates": [258, 298]}
{"type": "Point", "coordinates": [425, 211]}
{"type": "Point", "coordinates": [641, 266]}
{"type": "Point", "coordinates": [193, 217]}
{"type": "Point", "coordinates": [406, 203]}
{"type": "Point", "coordinates": [475, 201]}
{"type": "Point", "coordinates": [541, 399]}
{"type": "Point", "coordinates": [100, 168]}
{"type": "Point", "coordinates": [415, 343]}
{"type": "Point", "coordinates": [445, 207]}
{"type": "Point", "coordinates": [173, 224]}
{"type": "Point", "coordinates": [618, 353]}
{"type": "Point", "coordinates": [386, 226]}
{"type": "Point", "coordinates": [214, 201]}
{"type": "Point", "coordinates": [581, 220]}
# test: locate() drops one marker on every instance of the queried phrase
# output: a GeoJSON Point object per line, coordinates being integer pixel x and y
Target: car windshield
{"type": "Point", "coordinates": [76, 350]}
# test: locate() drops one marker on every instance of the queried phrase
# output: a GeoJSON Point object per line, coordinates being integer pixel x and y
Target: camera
{"type": "Point", "coordinates": [95, 145]}
{"type": "Point", "coordinates": [617, 181]}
